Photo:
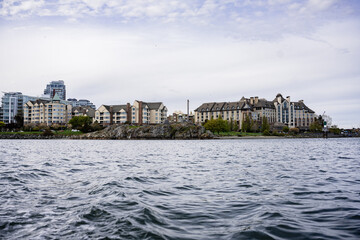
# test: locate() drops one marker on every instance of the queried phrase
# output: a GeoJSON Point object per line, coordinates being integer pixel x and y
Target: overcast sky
{"type": "Point", "coordinates": [113, 52]}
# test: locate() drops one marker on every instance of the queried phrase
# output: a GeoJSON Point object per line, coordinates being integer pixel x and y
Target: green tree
{"type": "Point", "coordinates": [81, 123]}
{"type": "Point", "coordinates": [246, 124]}
{"type": "Point", "coordinates": [19, 118]}
{"type": "Point", "coordinates": [217, 125]}
{"type": "Point", "coordinates": [316, 126]}
{"type": "Point", "coordinates": [2, 125]}
{"type": "Point", "coordinates": [265, 125]}
{"type": "Point", "coordinates": [285, 129]}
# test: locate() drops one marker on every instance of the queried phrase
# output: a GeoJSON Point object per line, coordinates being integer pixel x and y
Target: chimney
{"type": "Point", "coordinates": [256, 99]}
{"type": "Point", "coordinates": [140, 112]}
{"type": "Point", "coordinates": [111, 115]}
{"type": "Point", "coordinates": [302, 101]}
{"type": "Point", "coordinates": [251, 100]}
{"type": "Point", "coordinates": [128, 109]}
{"type": "Point", "coordinates": [288, 98]}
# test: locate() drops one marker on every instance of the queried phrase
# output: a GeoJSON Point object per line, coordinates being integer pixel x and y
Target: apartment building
{"type": "Point", "coordinates": [293, 114]}
{"type": "Point", "coordinates": [11, 104]}
{"type": "Point", "coordinates": [139, 113]}
{"type": "Point", "coordinates": [47, 111]}
{"type": "Point", "coordinates": [83, 111]}
{"type": "Point", "coordinates": [113, 114]}
{"type": "Point", "coordinates": [55, 87]}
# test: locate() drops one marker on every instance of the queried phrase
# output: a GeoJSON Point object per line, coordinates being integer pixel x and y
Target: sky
{"type": "Point", "coordinates": [114, 52]}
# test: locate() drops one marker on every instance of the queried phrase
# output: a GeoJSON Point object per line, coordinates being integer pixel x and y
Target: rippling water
{"type": "Point", "coordinates": [216, 189]}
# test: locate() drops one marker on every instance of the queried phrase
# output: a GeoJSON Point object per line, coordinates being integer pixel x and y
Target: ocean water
{"type": "Point", "coordinates": [211, 189]}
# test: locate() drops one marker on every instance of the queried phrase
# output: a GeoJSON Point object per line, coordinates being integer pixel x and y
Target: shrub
{"type": "Point", "coordinates": [47, 132]}
{"type": "Point", "coordinates": [266, 133]}
{"type": "Point", "coordinates": [286, 129]}
{"type": "Point", "coordinates": [294, 130]}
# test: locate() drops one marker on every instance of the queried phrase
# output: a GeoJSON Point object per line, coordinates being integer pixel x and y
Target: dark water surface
{"type": "Point", "coordinates": [216, 189]}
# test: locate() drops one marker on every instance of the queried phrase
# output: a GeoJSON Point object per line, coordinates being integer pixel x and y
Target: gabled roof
{"type": "Point", "coordinates": [117, 108]}
{"type": "Point", "coordinates": [56, 97]}
{"type": "Point", "coordinates": [301, 106]}
{"type": "Point", "coordinates": [205, 106]}
{"type": "Point", "coordinates": [153, 105]}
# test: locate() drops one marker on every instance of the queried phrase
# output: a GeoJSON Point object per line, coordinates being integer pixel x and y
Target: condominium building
{"type": "Point", "coordinates": [113, 114]}
{"type": "Point", "coordinates": [12, 104]}
{"type": "Point", "coordinates": [47, 111]}
{"type": "Point", "coordinates": [81, 103]}
{"type": "Point", "coordinates": [148, 112]}
{"type": "Point", "coordinates": [139, 113]}
{"type": "Point", "coordinates": [83, 111]}
{"type": "Point", "coordinates": [293, 114]}
{"type": "Point", "coordinates": [55, 87]}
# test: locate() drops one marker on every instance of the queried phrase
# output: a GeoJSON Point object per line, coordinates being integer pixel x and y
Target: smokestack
{"type": "Point", "coordinates": [188, 110]}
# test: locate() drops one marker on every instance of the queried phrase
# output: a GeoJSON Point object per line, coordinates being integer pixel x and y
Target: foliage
{"type": "Point", "coordinates": [265, 126]}
{"type": "Point", "coordinates": [47, 132]}
{"type": "Point", "coordinates": [96, 126]}
{"type": "Point", "coordinates": [217, 125]}
{"type": "Point", "coordinates": [2, 125]}
{"type": "Point", "coordinates": [246, 124]}
{"type": "Point", "coordinates": [335, 130]}
{"type": "Point", "coordinates": [294, 130]}
{"type": "Point", "coordinates": [19, 118]}
{"type": "Point", "coordinates": [254, 126]}
{"type": "Point", "coordinates": [286, 129]}
{"type": "Point", "coordinates": [315, 126]}
{"type": "Point", "coordinates": [81, 123]}
{"type": "Point", "coordinates": [266, 132]}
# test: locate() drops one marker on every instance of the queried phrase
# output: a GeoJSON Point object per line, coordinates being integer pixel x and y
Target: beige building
{"type": "Point", "coordinates": [112, 114]}
{"type": "Point", "coordinates": [47, 111]}
{"type": "Point", "coordinates": [83, 111]}
{"type": "Point", "coordinates": [139, 113]}
{"type": "Point", "coordinates": [293, 114]}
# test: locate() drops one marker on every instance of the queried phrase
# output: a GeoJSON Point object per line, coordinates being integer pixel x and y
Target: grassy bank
{"type": "Point", "coordinates": [59, 133]}
{"type": "Point", "coordinates": [239, 134]}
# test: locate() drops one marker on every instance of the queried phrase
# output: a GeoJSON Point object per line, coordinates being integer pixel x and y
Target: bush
{"type": "Point", "coordinates": [266, 132]}
{"type": "Point", "coordinates": [217, 125]}
{"type": "Point", "coordinates": [47, 132]}
{"type": "Point", "coordinates": [286, 129]}
{"type": "Point", "coordinates": [294, 130]}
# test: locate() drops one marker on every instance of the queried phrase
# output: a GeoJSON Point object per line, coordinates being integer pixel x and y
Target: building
{"type": "Point", "coordinates": [12, 103]}
{"type": "Point", "coordinates": [293, 114]}
{"type": "Point", "coordinates": [139, 113]}
{"type": "Point", "coordinates": [148, 112]}
{"type": "Point", "coordinates": [113, 114]}
{"type": "Point", "coordinates": [83, 111]}
{"type": "Point", "coordinates": [50, 112]}
{"type": "Point", "coordinates": [81, 103]}
{"type": "Point", "coordinates": [280, 110]}
{"type": "Point", "coordinates": [55, 87]}
{"type": "Point", "coordinates": [180, 117]}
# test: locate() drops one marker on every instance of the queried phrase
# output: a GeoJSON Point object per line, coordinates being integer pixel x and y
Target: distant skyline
{"type": "Point", "coordinates": [113, 52]}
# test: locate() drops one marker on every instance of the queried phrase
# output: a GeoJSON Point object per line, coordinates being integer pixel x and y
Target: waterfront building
{"type": "Point", "coordinates": [47, 111]}
{"type": "Point", "coordinates": [293, 114]}
{"type": "Point", "coordinates": [280, 110]}
{"type": "Point", "coordinates": [139, 113]}
{"type": "Point", "coordinates": [12, 104]}
{"type": "Point", "coordinates": [112, 114]}
{"type": "Point", "coordinates": [55, 87]}
{"type": "Point", "coordinates": [148, 112]}
{"type": "Point", "coordinates": [81, 103]}
{"type": "Point", "coordinates": [83, 111]}
{"type": "Point", "coordinates": [180, 117]}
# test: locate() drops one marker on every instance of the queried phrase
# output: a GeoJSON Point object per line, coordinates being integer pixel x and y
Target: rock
{"type": "Point", "coordinates": [163, 131]}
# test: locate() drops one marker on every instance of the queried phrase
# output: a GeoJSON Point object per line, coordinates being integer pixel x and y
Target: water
{"type": "Point", "coordinates": [216, 189]}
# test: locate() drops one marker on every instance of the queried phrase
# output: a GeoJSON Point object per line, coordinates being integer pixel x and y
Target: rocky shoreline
{"type": "Point", "coordinates": [165, 131]}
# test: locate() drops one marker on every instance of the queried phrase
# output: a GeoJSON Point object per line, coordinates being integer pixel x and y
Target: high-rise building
{"type": "Point", "coordinates": [12, 103]}
{"type": "Point", "coordinates": [55, 87]}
